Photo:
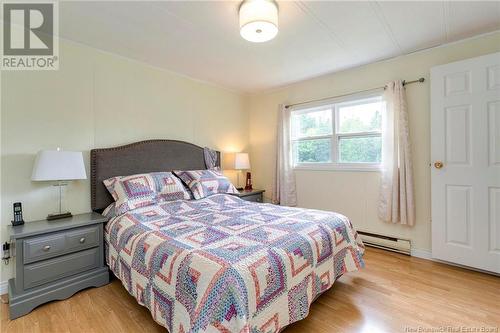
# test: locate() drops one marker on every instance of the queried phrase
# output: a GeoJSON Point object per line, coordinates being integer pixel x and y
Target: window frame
{"type": "Point", "coordinates": [335, 137]}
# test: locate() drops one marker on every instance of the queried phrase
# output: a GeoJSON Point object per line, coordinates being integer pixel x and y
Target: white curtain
{"type": "Point", "coordinates": [284, 184]}
{"type": "Point", "coordinates": [396, 203]}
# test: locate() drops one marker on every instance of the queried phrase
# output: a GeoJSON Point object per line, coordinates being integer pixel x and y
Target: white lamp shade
{"type": "Point", "coordinates": [258, 20]}
{"type": "Point", "coordinates": [241, 161]}
{"type": "Point", "coordinates": [58, 165]}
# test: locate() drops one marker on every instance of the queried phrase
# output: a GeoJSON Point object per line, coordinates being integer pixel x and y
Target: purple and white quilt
{"type": "Point", "coordinates": [222, 264]}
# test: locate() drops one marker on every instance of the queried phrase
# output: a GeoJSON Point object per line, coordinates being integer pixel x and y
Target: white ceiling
{"type": "Point", "coordinates": [201, 39]}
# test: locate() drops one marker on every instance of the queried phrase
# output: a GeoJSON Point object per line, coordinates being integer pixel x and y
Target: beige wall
{"type": "Point", "coordinates": [355, 193]}
{"type": "Point", "coordinates": [98, 100]}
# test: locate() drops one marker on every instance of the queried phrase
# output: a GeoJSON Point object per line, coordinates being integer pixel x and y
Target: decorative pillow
{"type": "Point", "coordinates": [169, 187]}
{"type": "Point", "coordinates": [141, 190]}
{"type": "Point", "coordinates": [132, 192]}
{"type": "Point", "coordinates": [203, 183]}
{"type": "Point", "coordinates": [187, 190]}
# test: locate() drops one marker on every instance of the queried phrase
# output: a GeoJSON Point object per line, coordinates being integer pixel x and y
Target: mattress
{"type": "Point", "coordinates": [221, 264]}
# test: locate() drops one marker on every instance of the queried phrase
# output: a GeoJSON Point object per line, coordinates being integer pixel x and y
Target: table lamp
{"type": "Point", "coordinates": [241, 162]}
{"type": "Point", "coordinates": [61, 167]}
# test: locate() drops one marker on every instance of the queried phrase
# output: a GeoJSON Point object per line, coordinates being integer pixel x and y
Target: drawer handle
{"type": "Point", "coordinates": [82, 240]}
{"type": "Point", "coordinates": [46, 248]}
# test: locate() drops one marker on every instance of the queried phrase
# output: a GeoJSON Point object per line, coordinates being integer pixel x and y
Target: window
{"type": "Point", "coordinates": [342, 135]}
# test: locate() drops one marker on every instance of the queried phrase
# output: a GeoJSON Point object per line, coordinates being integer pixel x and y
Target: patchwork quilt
{"type": "Point", "coordinates": [222, 264]}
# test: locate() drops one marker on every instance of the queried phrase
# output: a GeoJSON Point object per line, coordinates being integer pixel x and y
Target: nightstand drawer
{"type": "Point", "coordinates": [53, 269]}
{"type": "Point", "coordinates": [45, 247]}
{"type": "Point", "coordinates": [253, 197]}
{"type": "Point", "coordinates": [80, 239]}
{"type": "Point", "coordinates": [39, 248]}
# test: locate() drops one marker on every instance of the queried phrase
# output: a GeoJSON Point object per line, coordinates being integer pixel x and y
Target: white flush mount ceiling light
{"type": "Point", "coordinates": [258, 20]}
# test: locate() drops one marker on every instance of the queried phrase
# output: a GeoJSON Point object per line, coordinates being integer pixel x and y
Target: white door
{"type": "Point", "coordinates": [465, 162]}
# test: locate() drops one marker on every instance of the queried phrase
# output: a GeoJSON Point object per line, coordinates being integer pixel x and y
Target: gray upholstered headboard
{"type": "Point", "coordinates": [140, 157]}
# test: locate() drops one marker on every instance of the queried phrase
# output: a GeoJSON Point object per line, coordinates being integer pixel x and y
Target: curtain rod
{"type": "Point", "coordinates": [356, 92]}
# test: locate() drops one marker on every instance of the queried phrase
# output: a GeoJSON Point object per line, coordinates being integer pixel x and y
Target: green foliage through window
{"type": "Point", "coordinates": [312, 124]}
{"type": "Point", "coordinates": [359, 133]}
{"type": "Point", "coordinates": [360, 149]}
{"type": "Point", "coordinates": [312, 151]}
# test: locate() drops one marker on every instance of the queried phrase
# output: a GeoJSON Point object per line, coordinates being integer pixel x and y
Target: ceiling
{"type": "Point", "coordinates": [201, 39]}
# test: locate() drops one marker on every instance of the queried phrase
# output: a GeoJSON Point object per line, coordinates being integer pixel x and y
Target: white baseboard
{"type": "Point", "coordinates": [423, 254]}
{"type": "Point", "coordinates": [4, 287]}
{"type": "Point", "coordinates": [427, 255]}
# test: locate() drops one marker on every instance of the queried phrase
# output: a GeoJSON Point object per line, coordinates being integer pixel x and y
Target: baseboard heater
{"type": "Point", "coordinates": [386, 242]}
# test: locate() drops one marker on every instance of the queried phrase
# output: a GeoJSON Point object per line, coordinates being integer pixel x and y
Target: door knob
{"type": "Point", "coordinates": [438, 164]}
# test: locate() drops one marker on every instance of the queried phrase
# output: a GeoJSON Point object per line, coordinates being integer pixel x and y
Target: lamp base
{"type": "Point", "coordinates": [57, 216]}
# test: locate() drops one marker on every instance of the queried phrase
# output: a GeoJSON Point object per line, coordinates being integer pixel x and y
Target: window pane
{"type": "Point", "coordinates": [312, 151]}
{"type": "Point", "coordinates": [361, 117]}
{"type": "Point", "coordinates": [312, 123]}
{"type": "Point", "coordinates": [360, 149]}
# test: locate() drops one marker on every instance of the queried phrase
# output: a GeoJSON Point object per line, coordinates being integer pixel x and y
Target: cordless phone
{"type": "Point", "coordinates": [18, 214]}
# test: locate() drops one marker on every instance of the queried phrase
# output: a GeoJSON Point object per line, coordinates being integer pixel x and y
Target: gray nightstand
{"type": "Point", "coordinates": [55, 259]}
{"type": "Point", "coordinates": [254, 195]}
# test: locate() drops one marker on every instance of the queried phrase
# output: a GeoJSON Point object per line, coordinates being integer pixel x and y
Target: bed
{"type": "Point", "coordinates": [218, 264]}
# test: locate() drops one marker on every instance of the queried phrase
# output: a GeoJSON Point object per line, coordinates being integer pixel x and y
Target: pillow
{"type": "Point", "coordinates": [132, 192]}
{"type": "Point", "coordinates": [146, 189]}
{"type": "Point", "coordinates": [203, 183]}
{"type": "Point", "coordinates": [110, 186]}
{"type": "Point", "coordinates": [109, 211]}
{"type": "Point", "coordinates": [169, 187]}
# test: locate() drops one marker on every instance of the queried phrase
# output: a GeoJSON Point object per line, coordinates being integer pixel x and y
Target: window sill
{"type": "Point", "coordinates": [338, 167]}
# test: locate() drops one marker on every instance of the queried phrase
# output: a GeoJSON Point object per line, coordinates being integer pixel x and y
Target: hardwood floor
{"type": "Point", "coordinates": [394, 293]}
